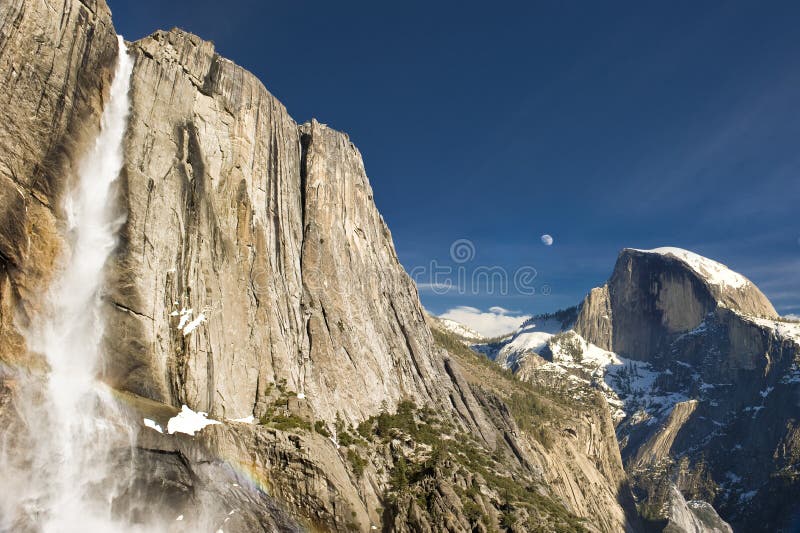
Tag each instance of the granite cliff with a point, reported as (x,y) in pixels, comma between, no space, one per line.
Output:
(267,228)
(254,280)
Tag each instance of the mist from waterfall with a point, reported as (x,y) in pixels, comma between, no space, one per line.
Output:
(68,483)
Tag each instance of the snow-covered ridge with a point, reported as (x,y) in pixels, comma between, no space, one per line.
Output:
(630,387)
(460,329)
(713,272)
(784,330)
(533,336)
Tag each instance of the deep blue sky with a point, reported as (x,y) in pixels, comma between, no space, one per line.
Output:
(637,124)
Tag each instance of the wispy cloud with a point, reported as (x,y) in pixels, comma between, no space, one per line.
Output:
(492,323)
(778,268)
(719,142)
(780,282)
(437,288)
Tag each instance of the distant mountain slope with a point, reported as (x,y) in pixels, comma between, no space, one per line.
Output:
(702,375)
(566,443)
(458,329)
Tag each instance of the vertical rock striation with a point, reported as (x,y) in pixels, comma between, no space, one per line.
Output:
(269,230)
(367,339)
(654,296)
(212,196)
(595,318)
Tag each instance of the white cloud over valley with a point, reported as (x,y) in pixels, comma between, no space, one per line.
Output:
(492,323)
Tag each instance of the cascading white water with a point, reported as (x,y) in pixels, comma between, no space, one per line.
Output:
(67,486)
(70,337)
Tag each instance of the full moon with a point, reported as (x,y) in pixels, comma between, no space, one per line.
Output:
(547,240)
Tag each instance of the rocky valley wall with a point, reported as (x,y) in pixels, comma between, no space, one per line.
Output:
(54,77)
(269,230)
(253,269)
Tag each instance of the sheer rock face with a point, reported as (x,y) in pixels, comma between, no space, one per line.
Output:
(595,318)
(653,298)
(55,65)
(692,516)
(213,205)
(270,231)
(367,339)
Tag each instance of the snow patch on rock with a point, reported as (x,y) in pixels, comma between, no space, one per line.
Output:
(185,316)
(152,425)
(713,272)
(789,331)
(189,422)
(191,326)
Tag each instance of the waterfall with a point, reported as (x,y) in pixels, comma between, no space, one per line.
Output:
(71,336)
(68,483)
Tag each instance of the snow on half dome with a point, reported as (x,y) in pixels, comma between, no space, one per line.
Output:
(713,272)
